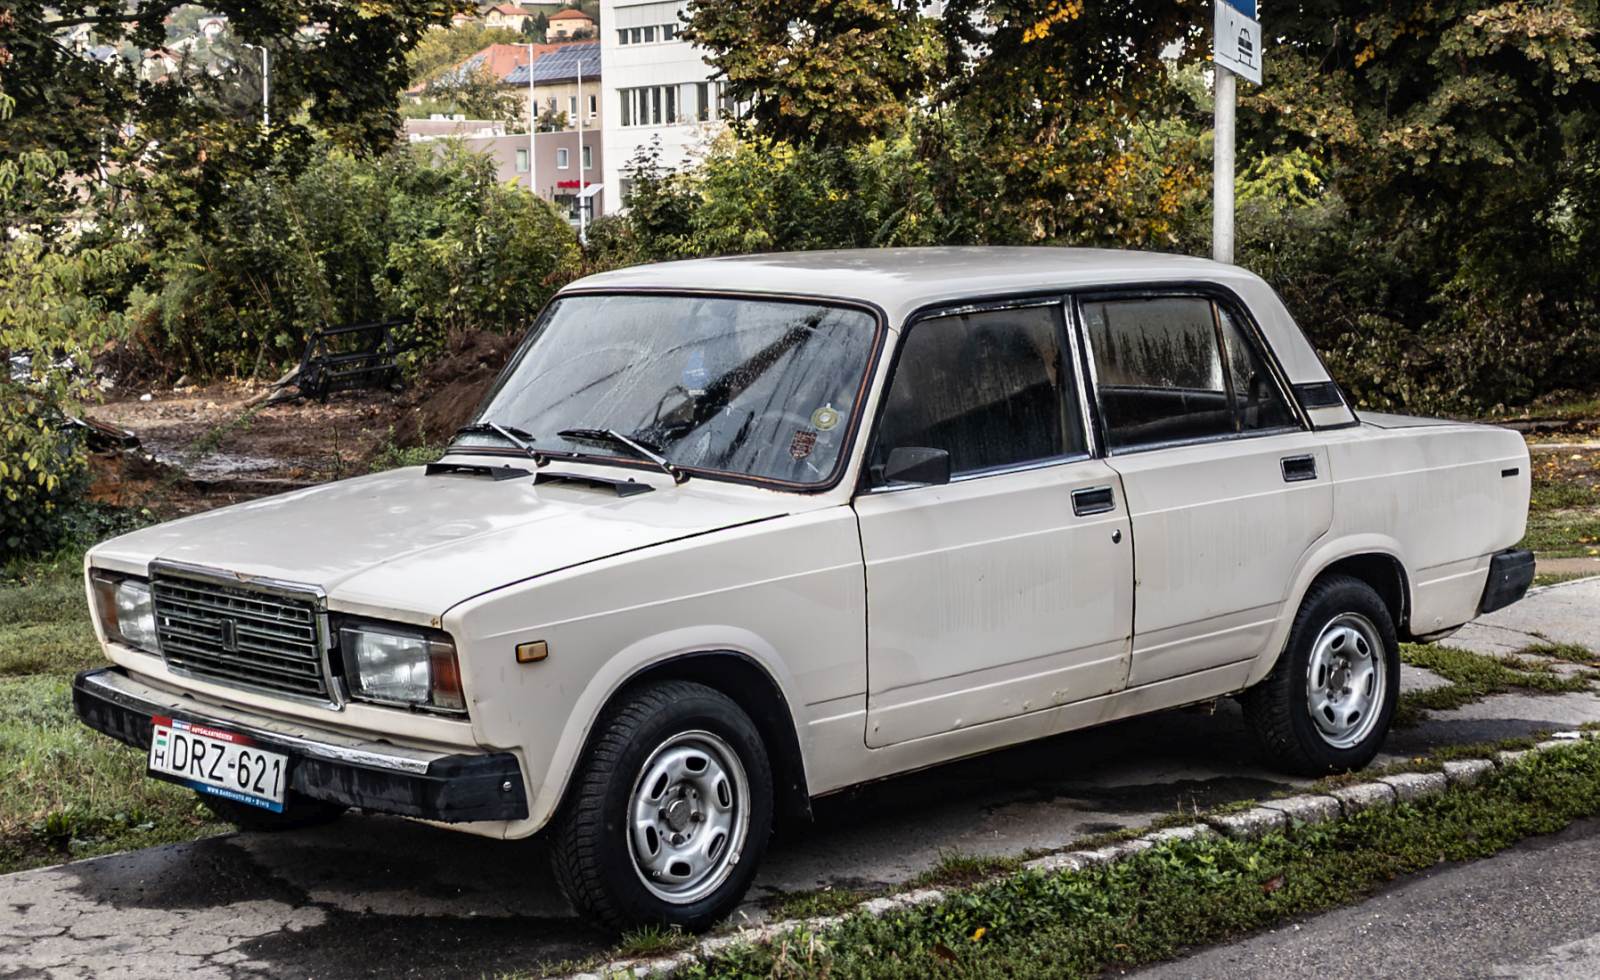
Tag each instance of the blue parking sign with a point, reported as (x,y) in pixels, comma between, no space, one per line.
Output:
(1246,7)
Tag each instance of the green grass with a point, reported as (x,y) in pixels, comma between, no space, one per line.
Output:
(1563,533)
(648,941)
(1475,676)
(65,791)
(1556,578)
(1156,903)
(958,868)
(812,904)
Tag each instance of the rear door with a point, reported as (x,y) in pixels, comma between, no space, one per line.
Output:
(1008,590)
(1226,487)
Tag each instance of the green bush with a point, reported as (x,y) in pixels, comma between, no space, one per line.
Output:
(53,311)
(407,234)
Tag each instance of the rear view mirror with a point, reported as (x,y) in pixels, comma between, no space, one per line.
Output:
(917,464)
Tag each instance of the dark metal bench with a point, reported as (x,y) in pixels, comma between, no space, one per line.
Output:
(357,355)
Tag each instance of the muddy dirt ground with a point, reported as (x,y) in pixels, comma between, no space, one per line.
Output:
(204,446)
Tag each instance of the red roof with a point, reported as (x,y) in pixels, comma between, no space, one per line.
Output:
(501,58)
(570,14)
(509,9)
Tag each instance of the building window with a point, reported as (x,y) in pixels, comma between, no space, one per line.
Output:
(562,158)
(588,157)
(650,34)
(655,105)
(702,95)
(622,36)
(669,32)
(572,107)
(522,161)
(594,106)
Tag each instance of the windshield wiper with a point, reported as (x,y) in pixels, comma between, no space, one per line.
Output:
(510,433)
(614,438)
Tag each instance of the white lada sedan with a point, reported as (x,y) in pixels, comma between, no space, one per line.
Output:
(731,534)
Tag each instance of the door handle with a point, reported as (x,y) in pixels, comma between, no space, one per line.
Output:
(1093,500)
(1298,468)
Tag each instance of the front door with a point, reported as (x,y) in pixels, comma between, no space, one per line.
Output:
(1225,487)
(1010,589)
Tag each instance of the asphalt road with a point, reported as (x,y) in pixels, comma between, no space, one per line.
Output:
(1530,912)
(375,896)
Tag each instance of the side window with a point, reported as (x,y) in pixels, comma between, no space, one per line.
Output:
(992,388)
(1177,368)
(1257,400)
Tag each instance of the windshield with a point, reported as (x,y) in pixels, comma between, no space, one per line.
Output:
(755,388)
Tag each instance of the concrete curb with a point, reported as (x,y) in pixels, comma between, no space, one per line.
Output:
(1266,817)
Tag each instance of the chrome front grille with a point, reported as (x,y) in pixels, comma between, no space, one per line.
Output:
(265,641)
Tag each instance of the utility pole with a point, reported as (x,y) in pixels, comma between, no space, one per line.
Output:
(583,183)
(1236,44)
(1224,93)
(533,130)
(266,98)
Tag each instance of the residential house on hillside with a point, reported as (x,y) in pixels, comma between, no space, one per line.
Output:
(570,23)
(658,89)
(508,16)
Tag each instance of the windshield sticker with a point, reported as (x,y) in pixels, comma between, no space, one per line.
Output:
(825,418)
(801,445)
(695,375)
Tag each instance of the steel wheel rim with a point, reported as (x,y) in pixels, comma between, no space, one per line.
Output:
(1347,678)
(688,817)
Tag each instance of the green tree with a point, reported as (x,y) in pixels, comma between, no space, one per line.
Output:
(444,47)
(337,67)
(819,71)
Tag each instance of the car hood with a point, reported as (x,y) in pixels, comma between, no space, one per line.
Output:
(404,542)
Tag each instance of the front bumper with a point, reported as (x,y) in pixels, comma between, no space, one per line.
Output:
(1510,574)
(376,776)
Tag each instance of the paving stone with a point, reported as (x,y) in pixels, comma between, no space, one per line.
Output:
(1191,831)
(1308,808)
(1410,786)
(1507,758)
(1550,744)
(1253,823)
(1466,772)
(1363,796)
(1052,863)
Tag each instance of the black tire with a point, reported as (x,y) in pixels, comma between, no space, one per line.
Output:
(593,850)
(1277,710)
(298,812)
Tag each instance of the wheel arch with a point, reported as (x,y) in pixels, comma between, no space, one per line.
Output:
(1375,560)
(734,673)
(757,693)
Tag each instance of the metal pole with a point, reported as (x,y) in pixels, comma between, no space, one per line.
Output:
(1224,92)
(266,89)
(583,202)
(533,129)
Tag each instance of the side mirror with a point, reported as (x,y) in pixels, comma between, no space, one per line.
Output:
(917,464)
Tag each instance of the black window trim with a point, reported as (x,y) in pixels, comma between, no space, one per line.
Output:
(1055,299)
(1219,296)
(880,331)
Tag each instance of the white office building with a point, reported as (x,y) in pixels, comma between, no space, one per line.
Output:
(656,87)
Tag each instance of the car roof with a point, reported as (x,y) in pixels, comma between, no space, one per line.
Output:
(901,280)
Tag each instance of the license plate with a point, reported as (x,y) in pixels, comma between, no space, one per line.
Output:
(218,762)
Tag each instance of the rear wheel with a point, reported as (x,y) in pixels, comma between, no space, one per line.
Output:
(670,812)
(298,812)
(1327,705)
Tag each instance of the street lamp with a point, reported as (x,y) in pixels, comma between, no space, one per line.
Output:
(266,115)
(533,129)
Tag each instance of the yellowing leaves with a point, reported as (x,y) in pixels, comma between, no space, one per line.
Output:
(1058,12)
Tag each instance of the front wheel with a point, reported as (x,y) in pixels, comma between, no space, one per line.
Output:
(1327,705)
(669,813)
